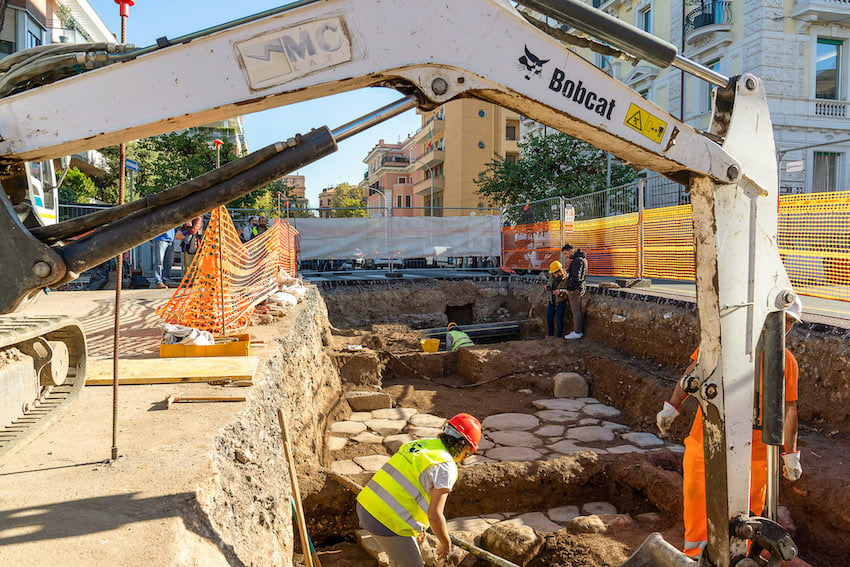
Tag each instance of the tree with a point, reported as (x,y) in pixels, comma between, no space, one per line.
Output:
(77,187)
(347,201)
(556,165)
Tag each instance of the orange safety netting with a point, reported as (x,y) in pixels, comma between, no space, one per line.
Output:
(813,238)
(228,278)
(533,246)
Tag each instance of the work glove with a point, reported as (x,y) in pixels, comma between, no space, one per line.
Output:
(665,417)
(792,470)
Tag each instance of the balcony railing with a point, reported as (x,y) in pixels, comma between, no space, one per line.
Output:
(800,109)
(831,108)
(395,161)
(708,14)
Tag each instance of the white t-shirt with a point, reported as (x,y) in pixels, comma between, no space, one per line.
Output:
(441,475)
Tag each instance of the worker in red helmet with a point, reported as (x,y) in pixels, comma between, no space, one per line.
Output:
(408,494)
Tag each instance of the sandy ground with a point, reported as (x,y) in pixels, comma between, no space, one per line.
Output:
(62,502)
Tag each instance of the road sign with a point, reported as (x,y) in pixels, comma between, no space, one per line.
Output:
(793,166)
(132,165)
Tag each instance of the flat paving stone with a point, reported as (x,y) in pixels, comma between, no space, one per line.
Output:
(678,449)
(622,449)
(393,442)
(589,421)
(426,420)
(423,432)
(336,443)
(347,428)
(386,426)
(371,463)
(360,416)
(598,508)
(516,439)
(643,439)
(394,413)
(590,433)
(537,521)
(557,416)
(563,514)
(346,467)
(588,400)
(600,410)
(511,422)
(513,454)
(565,448)
(558,404)
(368,437)
(613,425)
(550,430)
(472,525)
(478,460)
(485,444)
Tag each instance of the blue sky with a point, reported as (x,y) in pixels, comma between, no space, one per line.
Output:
(150,19)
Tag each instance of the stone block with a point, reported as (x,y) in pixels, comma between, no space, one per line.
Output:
(393,442)
(368,401)
(373,548)
(368,437)
(587,525)
(336,443)
(360,416)
(346,467)
(426,420)
(537,521)
(569,385)
(347,428)
(394,413)
(386,426)
(559,404)
(371,463)
(511,421)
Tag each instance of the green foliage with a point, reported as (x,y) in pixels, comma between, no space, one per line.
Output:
(549,166)
(347,201)
(77,187)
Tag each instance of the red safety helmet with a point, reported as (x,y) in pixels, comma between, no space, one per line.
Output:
(469,427)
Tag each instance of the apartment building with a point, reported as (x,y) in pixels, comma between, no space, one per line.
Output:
(326,199)
(387,181)
(453,146)
(298,187)
(798,47)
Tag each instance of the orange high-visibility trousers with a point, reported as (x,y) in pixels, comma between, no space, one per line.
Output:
(693,485)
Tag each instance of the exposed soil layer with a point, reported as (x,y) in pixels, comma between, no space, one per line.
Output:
(635,348)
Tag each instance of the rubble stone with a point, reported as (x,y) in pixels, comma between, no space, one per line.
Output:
(615,523)
(569,385)
(587,525)
(651,520)
(511,421)
(368,401)
(515,542)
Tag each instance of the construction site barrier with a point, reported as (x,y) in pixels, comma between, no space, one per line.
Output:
(228,278)
(813,238)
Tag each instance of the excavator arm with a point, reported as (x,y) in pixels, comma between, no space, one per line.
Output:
(435,51)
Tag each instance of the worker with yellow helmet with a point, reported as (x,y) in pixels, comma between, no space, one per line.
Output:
(556,291)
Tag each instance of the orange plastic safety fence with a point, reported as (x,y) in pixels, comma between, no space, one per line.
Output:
(228,278)
(611,244)
(533,246)
(814,242)
(667,243)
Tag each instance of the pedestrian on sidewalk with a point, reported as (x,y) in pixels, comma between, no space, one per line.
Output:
(693,462)
(163,253)
(192,233)
(408,494)
(575,287)
(555,308)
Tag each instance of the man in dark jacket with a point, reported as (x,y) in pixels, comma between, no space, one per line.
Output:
(575,287)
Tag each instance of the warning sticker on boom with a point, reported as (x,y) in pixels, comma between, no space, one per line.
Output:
(641,121)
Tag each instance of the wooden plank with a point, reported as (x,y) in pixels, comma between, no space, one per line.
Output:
(173,370)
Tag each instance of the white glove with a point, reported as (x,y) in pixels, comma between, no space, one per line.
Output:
(792,469)
(665,417)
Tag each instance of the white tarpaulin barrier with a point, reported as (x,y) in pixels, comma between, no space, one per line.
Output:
(406,237)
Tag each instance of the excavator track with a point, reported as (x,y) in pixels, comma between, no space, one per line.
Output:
(19,332)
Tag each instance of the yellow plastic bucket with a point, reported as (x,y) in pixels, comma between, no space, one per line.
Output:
(430,345)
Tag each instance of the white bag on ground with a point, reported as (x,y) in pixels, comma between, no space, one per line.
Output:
(283,298)
(182,335)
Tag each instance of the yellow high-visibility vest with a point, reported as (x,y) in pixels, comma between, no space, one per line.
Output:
(460,340)
(395,497)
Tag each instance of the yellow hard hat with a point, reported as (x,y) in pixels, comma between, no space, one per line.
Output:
(555,267)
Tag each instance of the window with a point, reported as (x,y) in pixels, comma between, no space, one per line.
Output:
(825,171)
(644,16)
(510,132)
(714,65)
(826,68)
(402,180)
(511,157)
(407,202)
(398,200)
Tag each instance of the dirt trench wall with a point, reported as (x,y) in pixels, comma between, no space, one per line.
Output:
(248,500)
